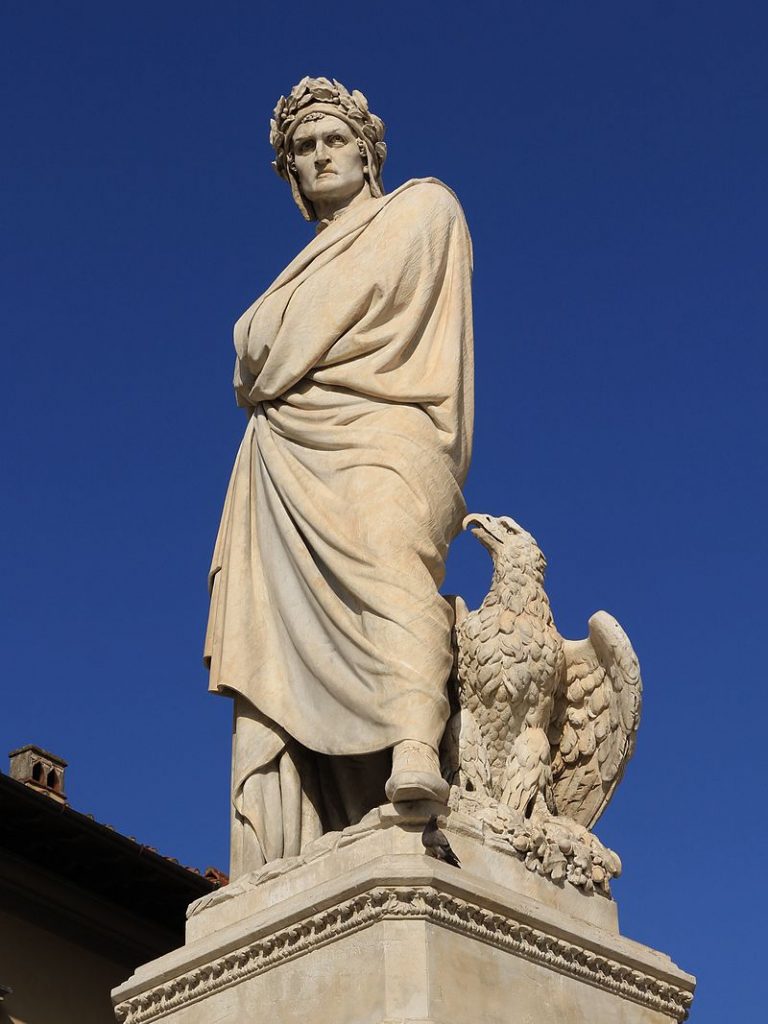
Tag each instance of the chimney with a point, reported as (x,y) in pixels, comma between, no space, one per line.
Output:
(39,770)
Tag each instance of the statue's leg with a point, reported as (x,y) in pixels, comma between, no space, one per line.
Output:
(258,811)
(290,796)
(359,782)
(257,819)
(275,800)
(311,819)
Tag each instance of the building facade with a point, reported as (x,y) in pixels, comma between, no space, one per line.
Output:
(81,906)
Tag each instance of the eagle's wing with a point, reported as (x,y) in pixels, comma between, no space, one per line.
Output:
(594,720)
(463,757)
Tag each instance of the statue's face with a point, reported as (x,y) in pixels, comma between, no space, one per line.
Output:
(328,163)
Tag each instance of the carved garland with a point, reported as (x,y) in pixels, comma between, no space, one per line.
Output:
(391,902)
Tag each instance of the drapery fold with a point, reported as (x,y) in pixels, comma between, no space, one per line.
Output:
(356,365)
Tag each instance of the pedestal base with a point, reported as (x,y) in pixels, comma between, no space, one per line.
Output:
(372,931)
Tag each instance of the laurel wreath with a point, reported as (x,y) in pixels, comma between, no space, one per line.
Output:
(352,105)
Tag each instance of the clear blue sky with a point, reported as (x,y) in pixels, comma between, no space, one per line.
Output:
(612,162)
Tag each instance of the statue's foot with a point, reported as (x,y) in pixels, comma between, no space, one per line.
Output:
(416,774)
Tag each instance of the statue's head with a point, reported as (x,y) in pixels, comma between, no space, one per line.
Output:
(327,144)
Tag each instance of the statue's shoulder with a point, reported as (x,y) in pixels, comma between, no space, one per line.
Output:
(427,197)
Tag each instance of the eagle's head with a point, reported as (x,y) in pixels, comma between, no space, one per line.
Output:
(508,544)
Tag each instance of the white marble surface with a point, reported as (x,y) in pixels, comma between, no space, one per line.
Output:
(378,932)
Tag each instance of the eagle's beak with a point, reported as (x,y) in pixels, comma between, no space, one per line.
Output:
(477,520)
(481,526)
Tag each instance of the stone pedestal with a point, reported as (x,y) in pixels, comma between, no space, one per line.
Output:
(366,929)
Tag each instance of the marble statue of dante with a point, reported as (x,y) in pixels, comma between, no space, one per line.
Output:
(355,369)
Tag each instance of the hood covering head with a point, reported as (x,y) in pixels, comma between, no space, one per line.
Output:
(320,96)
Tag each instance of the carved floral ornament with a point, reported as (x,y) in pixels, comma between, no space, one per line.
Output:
(317,96)
(396,902)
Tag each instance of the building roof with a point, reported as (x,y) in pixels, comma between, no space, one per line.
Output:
(72,849)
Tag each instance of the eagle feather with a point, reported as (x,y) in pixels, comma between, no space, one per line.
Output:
(543,721)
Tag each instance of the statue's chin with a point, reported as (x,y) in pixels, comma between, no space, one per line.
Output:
(334,192)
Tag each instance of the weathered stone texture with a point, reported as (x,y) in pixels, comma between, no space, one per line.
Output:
(374,932)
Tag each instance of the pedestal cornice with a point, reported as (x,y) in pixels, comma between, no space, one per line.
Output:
(405,888)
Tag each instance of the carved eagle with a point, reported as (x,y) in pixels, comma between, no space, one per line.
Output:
(544,723)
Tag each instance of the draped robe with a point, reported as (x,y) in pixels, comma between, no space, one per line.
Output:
(356,366)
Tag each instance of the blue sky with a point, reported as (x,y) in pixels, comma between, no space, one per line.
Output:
(611,160)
